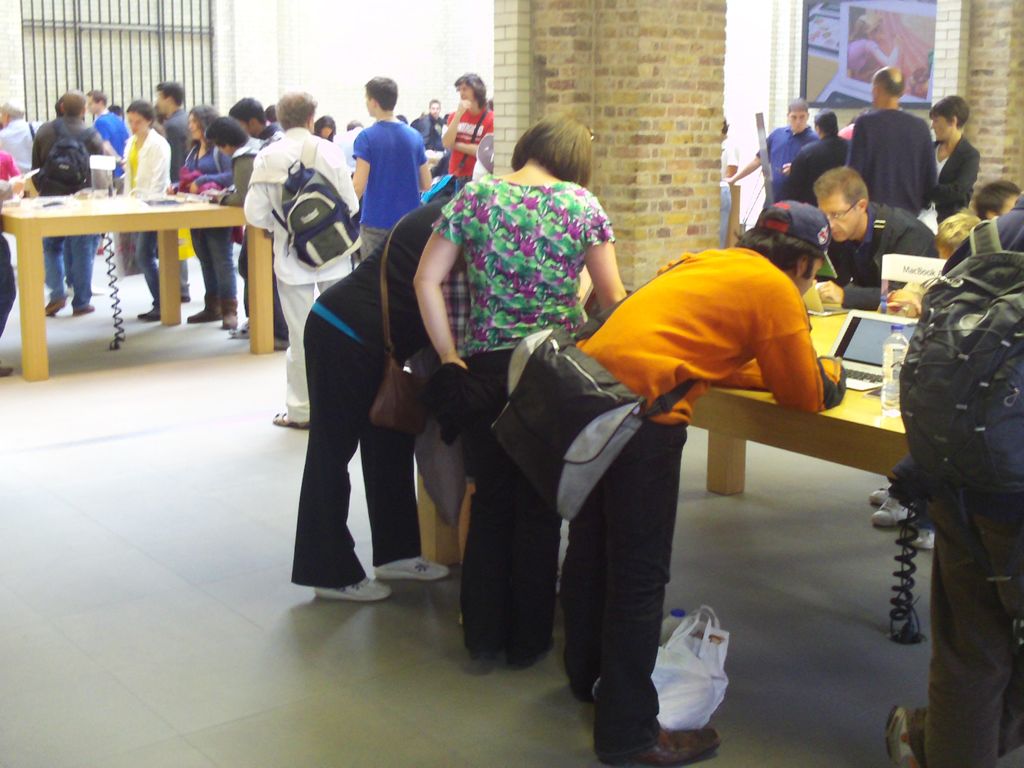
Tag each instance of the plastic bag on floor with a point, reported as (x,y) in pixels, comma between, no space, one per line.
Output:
(689,673)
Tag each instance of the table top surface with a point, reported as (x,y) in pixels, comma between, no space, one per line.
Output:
(857,407)
(121,210)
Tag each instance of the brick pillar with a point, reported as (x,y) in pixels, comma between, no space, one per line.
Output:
(647,76)
(996,87)
(513,77)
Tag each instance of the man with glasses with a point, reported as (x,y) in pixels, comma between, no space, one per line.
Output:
(862,232)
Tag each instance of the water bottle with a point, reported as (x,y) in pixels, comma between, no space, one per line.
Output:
(668,626)
(893,351)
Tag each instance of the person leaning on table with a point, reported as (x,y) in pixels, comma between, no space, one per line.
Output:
(733,317)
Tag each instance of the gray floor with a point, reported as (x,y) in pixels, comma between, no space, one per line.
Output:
(147,620)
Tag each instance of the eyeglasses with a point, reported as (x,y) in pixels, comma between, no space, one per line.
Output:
(838,216)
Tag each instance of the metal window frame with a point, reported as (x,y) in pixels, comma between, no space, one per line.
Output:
(120,47)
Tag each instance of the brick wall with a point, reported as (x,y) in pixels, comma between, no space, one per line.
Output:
(996,87)
(648,78)
(513,77)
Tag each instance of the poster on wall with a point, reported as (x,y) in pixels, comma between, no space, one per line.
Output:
(847,41)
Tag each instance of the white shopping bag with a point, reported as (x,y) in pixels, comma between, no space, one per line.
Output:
(689,673)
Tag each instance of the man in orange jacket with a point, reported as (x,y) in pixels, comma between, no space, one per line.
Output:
(732,317)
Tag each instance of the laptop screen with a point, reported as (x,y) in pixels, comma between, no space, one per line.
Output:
(864,337)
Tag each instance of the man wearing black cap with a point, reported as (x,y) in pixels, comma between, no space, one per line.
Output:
(731,317)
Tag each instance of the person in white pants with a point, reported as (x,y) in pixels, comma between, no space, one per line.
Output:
(298,283)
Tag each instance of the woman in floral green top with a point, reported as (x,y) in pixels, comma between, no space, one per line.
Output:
(525,239)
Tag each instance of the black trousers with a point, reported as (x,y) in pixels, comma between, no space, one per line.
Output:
(343,378)
(511,561)
(280,326)
(613,588)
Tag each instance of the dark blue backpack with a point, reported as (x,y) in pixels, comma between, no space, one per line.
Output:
(962,382)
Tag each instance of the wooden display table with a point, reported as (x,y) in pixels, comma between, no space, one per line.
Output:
(30,224)
(853,433)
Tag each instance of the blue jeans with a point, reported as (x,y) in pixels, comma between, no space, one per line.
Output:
(213,249)
(8,288)
(146,258)
(81,250)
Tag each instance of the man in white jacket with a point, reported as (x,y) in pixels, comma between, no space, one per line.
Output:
(298,282)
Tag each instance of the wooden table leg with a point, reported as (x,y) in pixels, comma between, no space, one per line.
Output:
(35,364)
(170,277)
(438,540)
(727,464)
(261,290)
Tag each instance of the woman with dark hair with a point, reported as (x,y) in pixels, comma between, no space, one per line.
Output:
(956,158)
(525,239)
(147,168)
(207,168)
(325,128)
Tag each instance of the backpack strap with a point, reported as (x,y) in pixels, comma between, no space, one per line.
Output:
(472,140)
(985,238)
(309,150)
(666,402)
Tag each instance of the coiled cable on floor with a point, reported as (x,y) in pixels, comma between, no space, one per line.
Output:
(107,243)
(904,625)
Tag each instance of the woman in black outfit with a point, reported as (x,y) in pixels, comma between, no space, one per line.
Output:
(344,364)
(957,159)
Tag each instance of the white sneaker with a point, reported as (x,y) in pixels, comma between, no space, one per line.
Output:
(925,539)
(889,515)
(878,498)
(366,591)
(415,568)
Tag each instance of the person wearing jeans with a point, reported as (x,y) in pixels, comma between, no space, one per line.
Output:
(147,161)
(81,253)
(702,320)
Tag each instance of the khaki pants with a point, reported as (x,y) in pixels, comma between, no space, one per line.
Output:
(976,682)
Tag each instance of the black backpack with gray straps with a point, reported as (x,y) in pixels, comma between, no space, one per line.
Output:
(962,383)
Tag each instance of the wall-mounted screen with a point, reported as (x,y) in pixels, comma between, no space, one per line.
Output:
(847,41)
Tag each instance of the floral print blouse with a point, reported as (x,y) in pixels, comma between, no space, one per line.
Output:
(524,248)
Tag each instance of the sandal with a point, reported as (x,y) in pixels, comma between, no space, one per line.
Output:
(282,420)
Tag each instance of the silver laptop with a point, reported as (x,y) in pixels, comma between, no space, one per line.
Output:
(859,344)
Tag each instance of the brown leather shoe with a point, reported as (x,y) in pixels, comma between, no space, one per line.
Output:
(56,306)
(674,748)
(85,309)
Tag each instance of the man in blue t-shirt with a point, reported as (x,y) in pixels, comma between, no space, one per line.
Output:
(391,165)
(784,144)
(110,127)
